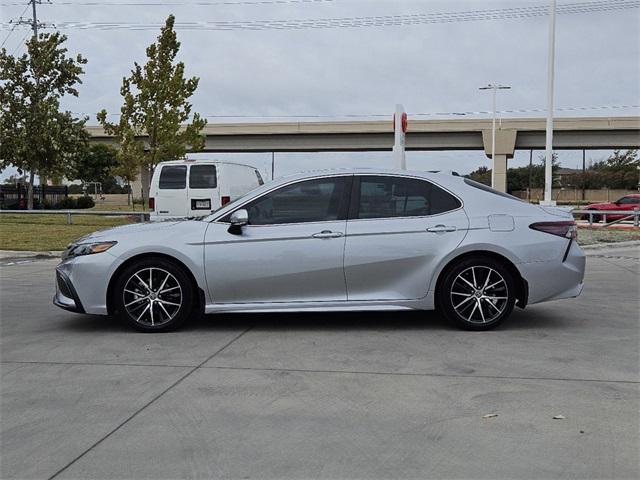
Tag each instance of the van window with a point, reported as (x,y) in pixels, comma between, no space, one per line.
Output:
(173,177)
(202,176)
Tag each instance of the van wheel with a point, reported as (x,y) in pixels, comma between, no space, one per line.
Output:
(478,293)
(153,295)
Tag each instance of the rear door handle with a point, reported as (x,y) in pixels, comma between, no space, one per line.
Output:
(441,229)
(327,234)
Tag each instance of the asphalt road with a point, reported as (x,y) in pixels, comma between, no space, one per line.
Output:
(384,395)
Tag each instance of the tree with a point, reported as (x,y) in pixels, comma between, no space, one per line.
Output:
(156,105)
(97,164)
(35,136)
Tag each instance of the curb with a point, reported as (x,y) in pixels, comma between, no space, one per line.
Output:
(611,245)
(6,254)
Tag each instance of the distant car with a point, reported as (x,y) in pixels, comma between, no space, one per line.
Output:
(339,240)
(628,202)
(192,188)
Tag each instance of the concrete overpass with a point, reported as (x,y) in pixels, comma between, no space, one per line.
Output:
(458,134)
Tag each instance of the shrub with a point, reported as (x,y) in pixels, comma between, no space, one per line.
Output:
(85,202)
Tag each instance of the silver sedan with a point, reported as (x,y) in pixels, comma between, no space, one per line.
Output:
(338,240)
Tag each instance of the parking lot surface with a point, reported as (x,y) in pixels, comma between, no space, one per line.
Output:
(358,395)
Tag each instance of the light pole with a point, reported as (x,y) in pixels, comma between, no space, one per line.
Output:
(495,88)
(548,163)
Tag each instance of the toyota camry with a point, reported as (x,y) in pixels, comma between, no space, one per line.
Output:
(332,240)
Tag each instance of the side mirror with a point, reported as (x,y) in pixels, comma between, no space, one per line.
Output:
(238,219)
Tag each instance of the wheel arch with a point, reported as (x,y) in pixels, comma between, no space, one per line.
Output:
(199,297)
(522,286)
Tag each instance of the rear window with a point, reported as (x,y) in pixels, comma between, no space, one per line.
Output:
(486,188)
(173,177)
(202,176)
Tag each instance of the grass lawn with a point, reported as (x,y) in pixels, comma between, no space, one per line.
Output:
(592,236)
(43,232)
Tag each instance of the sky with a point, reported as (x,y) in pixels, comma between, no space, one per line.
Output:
(433,68)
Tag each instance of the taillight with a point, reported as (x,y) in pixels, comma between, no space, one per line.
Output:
(567,229)
(224,200)
(152,204)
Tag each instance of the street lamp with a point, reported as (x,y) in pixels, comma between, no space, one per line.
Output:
(495,88)
(548,164)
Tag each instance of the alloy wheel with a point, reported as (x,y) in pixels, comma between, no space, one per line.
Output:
(152,297)
(479,294)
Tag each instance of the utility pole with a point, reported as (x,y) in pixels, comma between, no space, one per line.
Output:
(548,163)
(495,88)
(583,173)
(530,173)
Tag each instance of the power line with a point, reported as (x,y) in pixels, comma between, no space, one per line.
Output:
(20,44)
(15,24)
(173,4)
(373,21)
(424,114)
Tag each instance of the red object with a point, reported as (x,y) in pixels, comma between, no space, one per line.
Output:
(567,229)
(405,122)
(152,204)
(224,200)
(628,202)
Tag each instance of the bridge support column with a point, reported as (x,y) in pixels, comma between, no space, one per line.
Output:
(504,148)
(499,173)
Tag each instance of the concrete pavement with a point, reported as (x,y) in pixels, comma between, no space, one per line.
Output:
(366,395)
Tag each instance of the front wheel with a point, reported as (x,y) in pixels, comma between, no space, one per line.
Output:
(153,295)
(478,293)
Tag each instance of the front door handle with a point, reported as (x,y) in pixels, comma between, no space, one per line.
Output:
(327,234)
(441,229)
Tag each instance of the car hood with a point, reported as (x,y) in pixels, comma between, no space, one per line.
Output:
(137,229)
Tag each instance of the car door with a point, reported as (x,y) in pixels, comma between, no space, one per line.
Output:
(398,230)
(291,251)
(203,189)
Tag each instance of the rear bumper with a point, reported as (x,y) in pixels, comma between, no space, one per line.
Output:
(66,296)
(557,278)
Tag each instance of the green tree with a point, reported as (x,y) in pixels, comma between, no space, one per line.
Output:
(97,164)
(35,135)
(156,104)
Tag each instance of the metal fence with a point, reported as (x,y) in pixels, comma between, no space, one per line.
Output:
(142,216)
(15,196)
(619,216)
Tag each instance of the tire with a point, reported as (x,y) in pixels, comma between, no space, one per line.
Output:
(151,309)
(480,308)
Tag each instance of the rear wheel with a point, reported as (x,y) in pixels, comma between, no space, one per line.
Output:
(478,293)
(154,295)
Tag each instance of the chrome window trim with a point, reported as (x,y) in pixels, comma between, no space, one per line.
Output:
(336,175)
(413,216)
(277,187)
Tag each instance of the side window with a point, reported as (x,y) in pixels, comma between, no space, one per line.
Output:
(442,201)
(173,177)
(629,200)
(202,176)
(386,197)
(307,201)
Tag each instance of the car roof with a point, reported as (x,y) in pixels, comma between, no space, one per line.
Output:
(202,161)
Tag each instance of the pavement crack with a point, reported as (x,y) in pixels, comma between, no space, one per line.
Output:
(417,374)
(149,403)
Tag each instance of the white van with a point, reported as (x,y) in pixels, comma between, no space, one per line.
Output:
(185,188)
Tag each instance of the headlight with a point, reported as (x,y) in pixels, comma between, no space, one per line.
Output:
(75,250)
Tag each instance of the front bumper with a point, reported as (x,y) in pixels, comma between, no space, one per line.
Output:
(66,296)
